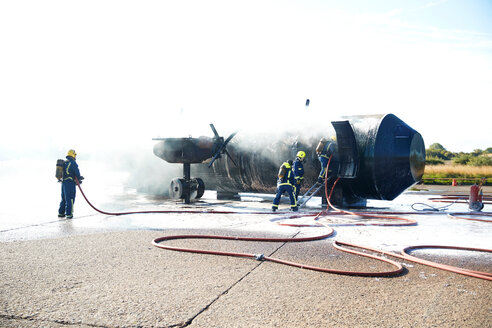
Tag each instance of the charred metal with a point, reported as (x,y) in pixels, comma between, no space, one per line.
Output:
(377,157)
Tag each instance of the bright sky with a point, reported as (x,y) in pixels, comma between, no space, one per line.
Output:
(93,75)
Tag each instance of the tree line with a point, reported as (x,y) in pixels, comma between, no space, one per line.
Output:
(436,154)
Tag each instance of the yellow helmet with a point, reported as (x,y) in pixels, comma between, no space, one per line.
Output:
(72,153)
(301,154)
(334,138)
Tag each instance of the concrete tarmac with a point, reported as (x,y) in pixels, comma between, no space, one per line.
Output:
(120,280)
(85,277)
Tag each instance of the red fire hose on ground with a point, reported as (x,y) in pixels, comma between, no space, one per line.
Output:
(156,242)
(337,244)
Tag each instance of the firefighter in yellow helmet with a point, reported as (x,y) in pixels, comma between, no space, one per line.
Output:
(298,172)
(325,150)
(70,173)
(285,184)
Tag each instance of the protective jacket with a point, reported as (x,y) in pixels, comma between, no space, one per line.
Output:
(327,150)
(324,153)
(285,175)
(285,184)
(298,171)
(298,175)
(71,169)
(70,172)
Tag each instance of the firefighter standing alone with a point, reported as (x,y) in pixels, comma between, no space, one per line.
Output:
(285,184)
(70,173)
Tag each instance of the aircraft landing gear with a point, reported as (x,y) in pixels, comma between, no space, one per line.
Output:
(187,188)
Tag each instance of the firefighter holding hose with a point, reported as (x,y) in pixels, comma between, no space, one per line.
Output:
(67,178)
(285,184)
(325,150)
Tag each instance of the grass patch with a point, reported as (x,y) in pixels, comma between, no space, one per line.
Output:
(464,174)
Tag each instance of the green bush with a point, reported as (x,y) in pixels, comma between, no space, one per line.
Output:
(432,160)
(462,159)
(476,152)
(480,161)
(436,146)
(436,153)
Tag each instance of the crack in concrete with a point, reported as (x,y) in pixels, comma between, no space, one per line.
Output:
(185,324)
(61,322)
(190,321)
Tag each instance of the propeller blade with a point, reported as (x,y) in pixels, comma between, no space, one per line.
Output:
(217,155)
(215,131)
(221,149)
(229,139)
(223,145)
(230,157)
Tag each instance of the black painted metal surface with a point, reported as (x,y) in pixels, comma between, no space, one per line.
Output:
(184,150)
(391,159)
(348,152)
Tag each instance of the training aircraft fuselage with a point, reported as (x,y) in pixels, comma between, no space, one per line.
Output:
(376,157)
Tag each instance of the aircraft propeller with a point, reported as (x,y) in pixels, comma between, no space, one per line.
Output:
(221,149)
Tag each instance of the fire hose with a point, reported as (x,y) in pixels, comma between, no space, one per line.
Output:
(156,242)
(337,244)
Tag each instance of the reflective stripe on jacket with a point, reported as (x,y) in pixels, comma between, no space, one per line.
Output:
(298,171)
(327,150)
(71,169)
(285,176)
